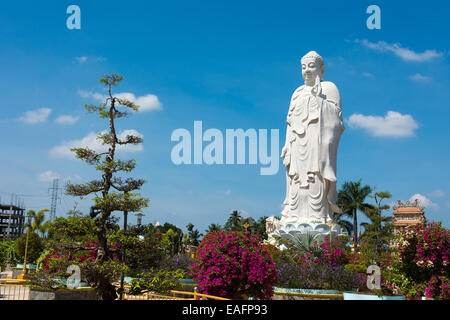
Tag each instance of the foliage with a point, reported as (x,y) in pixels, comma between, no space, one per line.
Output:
(233,264)
(335,252)
(159,281)
(38,221)
(358,268)
(112,192)
(8,253)
(171,242)
(73,228)
(260,227)
(316,275)
(306,244)
(35,246)
(193,235)
(176,262)
(141,253)
(378,234)
(234,222)
(312,265)
(214,227)
(351,198)
(55,264)
(421,265)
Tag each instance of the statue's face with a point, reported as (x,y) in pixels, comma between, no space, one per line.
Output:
(310,70)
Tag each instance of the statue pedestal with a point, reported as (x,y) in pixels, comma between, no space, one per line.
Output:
(318,229)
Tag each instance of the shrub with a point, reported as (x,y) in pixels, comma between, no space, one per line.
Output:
(421,265)
(35,246)
(160,281)
(233,264)
(359,268)
(318,275)
(8,253)
(335,252)
(319,266)
(181,261)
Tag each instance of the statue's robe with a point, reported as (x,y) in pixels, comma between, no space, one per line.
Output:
(314,128)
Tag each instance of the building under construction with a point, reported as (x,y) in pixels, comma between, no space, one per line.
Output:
(12,220)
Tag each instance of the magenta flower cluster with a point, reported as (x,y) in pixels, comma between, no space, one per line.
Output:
(424,254)
(234,264)
(334,252)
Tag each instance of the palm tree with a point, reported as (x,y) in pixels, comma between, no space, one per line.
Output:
(214,227)
(338,218)
(193,235)
(234,221)
(38,221)
(261,226)
(351,198)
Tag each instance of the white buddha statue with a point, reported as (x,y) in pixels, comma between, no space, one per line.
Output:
(314,127)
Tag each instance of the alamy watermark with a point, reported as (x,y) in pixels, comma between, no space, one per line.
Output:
(374,20)
(73,281)
(373,277)
(74,20)
(229,149)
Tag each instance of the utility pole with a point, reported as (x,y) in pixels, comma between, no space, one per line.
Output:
(55,191)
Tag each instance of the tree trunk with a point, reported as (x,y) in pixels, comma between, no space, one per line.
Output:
(355,226)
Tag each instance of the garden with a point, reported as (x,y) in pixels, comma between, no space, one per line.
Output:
(234,264)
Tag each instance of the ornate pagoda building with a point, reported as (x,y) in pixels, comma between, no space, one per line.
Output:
(406,214)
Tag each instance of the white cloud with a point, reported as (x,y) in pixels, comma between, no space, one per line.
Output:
(420,78)
(146,102)
(424,201)
(393,124)
(93,95)
(91,141)
(36,116)
(67,119)
(48,176)
(228,192)
(75,177)
(81,59)
(244,213)
(368,75)
(404,53)
(436,193)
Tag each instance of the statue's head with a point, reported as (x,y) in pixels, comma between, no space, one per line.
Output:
(312,66)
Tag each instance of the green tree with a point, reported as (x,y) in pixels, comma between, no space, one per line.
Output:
(193,235)
(234,221)
(214,227)
(34,249)
(351,198)
(339,219)
(378,233)
(38,221)
(8,253)
(73,228)
(117,193)
(260,227)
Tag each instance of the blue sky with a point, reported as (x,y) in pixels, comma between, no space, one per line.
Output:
(230,64)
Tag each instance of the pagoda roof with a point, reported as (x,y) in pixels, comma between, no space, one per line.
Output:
(408,210)
(406,222)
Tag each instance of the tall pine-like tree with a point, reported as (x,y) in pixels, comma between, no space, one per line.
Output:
(113,191)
